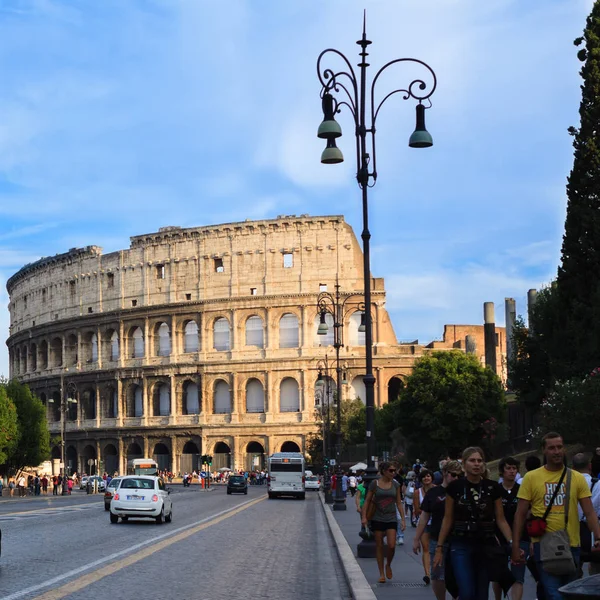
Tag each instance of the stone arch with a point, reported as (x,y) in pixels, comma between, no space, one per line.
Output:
(32,366)
(42,362)
(88,403)
(89,347)
(89,453)
(289,395)
(290,446)
(255,396)
(221,456)
(134,401)
(355,322)
(222,398)
(136,342)
(55,453)
(190,457)
(162,339)
(255,456)
(221,335)
(110,458)
(358,390)
(71,459)
(71,357)
(23,360)
(55,404)
(109,401)
(394,387)
(191,340)
(255,332)
(110,345)
(289,331)
(190,393)
(56,352)
(161,399)
(325,389)
(162,455)
(134,450)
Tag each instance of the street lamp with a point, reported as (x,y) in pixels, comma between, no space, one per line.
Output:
(339,308)
(65,401)
(323,383)
(353,93)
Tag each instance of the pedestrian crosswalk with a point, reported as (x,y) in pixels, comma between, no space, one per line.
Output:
(45,512)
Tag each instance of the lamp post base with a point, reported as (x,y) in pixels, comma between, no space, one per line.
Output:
(339,504)
(328,497)
(366,549)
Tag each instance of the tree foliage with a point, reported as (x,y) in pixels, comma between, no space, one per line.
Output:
(450,401)
(34,438)
(9,428)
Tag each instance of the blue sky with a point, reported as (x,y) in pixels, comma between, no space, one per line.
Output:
(117,118)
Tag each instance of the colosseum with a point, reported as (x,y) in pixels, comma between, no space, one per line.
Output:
(196,341)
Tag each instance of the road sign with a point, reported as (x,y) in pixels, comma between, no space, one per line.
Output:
(91,461)
(332,462)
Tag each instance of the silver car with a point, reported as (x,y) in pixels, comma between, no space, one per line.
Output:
(141,496)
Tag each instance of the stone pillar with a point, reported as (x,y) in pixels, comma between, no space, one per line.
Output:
(123,349)
(489,331)
(79,349)
(306,329)
(145,411)
(174,454)
(99,346)
(146,447)
(122,457)
(510,307)
(120,402)
(98,405)
(235,397)
(531,300)
(173,392)
(146,339)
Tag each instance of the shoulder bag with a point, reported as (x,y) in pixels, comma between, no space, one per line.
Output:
(372,506)
(555,547)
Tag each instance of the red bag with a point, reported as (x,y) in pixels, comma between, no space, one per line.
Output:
(535,526)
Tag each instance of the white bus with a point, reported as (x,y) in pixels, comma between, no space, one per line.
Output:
(286,475)
(142,466)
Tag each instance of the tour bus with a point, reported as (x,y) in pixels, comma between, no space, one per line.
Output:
(142,466)
(286,475)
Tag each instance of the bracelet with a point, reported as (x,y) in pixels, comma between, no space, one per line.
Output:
(440,548)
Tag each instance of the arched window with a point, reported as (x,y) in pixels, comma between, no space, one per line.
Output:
(138,402)
(138,343)
(255,332)
(355,337)
(289,335)
(289,395)
(255,397)
(164,340)
(115,403)
(94,342)
(221,339)
(191,398)
(190,339)
(222,398)
(161,401)
(327,339)
(114,346)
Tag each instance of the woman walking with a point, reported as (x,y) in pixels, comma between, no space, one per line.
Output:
(384,494)
(472,513)
(426,479)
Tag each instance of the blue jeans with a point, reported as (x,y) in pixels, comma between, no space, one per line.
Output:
(469,570)
(551,583)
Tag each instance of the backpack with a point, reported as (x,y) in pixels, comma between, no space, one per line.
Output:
(410,490)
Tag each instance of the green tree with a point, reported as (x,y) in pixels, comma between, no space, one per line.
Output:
(9,428)
(34,438)
(450,402)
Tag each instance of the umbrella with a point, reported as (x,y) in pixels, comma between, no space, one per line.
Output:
(359,466)
(222,469)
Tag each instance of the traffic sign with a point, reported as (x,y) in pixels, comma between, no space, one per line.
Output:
(332,462)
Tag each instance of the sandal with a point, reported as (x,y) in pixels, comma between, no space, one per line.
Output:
(388,571)
(382,579)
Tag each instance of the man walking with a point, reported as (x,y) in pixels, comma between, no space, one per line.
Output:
(537,493)
(21,486)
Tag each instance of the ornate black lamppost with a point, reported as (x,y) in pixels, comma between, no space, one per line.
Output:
(338,308)
(353,93)
(324,384)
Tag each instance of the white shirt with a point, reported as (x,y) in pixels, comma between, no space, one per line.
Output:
(595,496)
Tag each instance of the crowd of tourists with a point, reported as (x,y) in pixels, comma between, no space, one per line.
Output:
(477,534)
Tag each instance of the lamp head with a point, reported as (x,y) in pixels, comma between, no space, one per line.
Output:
(332,155)
(329,127)
(345,378)
(362,327)
(420,138)
(320,383)
(323,327)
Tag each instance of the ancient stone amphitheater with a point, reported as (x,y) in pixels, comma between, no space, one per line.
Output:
(195,341)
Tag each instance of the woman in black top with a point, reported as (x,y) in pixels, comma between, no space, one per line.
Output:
(473,511)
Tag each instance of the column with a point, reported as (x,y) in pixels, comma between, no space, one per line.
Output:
(175,340)
(144,401)
(78,349)
(235,398)
(146,447)
(173,398)
(122,457)
(305,340)
(99,468)
(99,342)
(120,403)
(174,455)
(122,344)
(146,340)
(98,405)
(268,397)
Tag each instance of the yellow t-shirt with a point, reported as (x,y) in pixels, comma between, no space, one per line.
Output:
(538,487)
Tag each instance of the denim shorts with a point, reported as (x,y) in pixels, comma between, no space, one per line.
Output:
(518,571)
(437,574)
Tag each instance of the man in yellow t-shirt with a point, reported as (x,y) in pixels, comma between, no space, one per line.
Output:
(535,494)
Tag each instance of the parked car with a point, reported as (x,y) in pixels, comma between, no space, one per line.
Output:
(312,483)
(141,496)
(83,482)
(237,483)
(98,481)
(110,490)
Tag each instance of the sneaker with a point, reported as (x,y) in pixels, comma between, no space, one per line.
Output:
(400,541)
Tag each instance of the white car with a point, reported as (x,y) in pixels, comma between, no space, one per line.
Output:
(83,482)
(141,496)
(97,481)
(312,483)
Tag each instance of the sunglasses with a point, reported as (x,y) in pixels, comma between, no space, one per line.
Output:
(455,474)
(391,470)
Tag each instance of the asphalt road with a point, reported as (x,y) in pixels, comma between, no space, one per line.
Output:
(217,547)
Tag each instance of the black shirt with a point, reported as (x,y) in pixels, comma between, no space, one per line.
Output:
(509,504)
(434,503)
(474,501)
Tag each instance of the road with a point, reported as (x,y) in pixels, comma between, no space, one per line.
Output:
(217,546)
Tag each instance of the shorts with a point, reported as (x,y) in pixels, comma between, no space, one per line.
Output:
(384,525)
(518,571)
(437,574)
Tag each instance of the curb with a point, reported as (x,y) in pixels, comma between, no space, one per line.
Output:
(357,582)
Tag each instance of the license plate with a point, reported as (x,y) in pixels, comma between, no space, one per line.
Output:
(135,497)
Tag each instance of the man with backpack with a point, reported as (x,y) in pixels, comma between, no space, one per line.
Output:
(582,463)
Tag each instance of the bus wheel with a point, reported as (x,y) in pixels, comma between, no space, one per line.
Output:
(271,496)
(302,496)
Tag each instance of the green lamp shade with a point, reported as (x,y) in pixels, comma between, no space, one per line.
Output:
(332,155)
(329,128)
(421,138)
(323,328)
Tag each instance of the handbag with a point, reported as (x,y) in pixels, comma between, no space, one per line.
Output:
(536,526)
(555,547)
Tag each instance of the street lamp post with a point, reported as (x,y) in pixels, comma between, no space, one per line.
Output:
(64,407)
(324,367)
(338,308)
(353,93)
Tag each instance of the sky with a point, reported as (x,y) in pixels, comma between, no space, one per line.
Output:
(117,118)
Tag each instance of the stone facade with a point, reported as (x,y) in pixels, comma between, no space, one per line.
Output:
(195,341)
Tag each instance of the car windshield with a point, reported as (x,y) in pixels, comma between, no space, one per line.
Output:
(140,484)
(114,483)
(236,479)
(311,478)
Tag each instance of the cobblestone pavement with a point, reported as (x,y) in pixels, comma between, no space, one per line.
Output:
(66,548)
